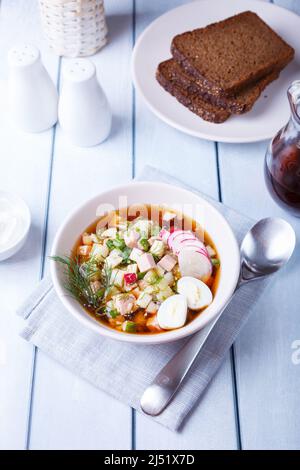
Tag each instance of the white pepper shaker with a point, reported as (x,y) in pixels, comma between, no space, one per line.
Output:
(84,113)
(32,95)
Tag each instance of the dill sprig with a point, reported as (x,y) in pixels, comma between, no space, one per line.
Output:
(78,281)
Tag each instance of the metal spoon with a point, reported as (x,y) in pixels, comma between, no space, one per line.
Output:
(266,248)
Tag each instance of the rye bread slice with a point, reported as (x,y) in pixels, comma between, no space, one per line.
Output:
(238,103)
(193,101)
(230,54)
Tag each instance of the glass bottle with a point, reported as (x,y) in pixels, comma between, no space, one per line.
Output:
(282,162)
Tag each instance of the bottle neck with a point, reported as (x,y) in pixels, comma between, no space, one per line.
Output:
(294,99)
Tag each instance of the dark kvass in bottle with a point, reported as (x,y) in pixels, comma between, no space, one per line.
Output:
(282,163)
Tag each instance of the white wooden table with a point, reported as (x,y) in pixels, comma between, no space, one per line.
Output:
(254,401)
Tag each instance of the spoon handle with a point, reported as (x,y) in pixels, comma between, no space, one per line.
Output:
(161,391)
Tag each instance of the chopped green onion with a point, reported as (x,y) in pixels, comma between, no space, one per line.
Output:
(154,278)
(110,244)
(113,313)
(125,255)
(141,276)
(144,244)
(157,280)
(215,261)
(119,242)
(100,293)
(129,326)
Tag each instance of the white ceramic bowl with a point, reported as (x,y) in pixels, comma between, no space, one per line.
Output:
(152,193)
(22,212)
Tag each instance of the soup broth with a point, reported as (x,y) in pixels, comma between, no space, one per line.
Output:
(135,296)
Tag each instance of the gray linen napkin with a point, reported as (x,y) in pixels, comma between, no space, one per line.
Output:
(52,329)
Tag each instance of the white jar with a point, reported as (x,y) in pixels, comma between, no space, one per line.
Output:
(32,95)
(84,113)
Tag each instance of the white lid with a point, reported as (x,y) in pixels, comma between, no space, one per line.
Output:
(79,70)
(23,55)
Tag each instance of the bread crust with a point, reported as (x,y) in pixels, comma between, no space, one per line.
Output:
(231,54)
(194,103)
(238,103)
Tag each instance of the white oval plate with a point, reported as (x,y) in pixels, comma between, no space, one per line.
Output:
(270,112)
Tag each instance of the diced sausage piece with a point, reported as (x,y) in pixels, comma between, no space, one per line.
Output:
(167,263)
(131,238)
(124,303)
(146,262)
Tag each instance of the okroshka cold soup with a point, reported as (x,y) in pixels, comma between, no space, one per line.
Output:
(146,248)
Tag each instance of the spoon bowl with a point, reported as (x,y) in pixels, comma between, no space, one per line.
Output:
(268,246)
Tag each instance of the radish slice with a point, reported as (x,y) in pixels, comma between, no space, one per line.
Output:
(177,237)
(197,293)
(196,244)
(179,241)
(194,263)
(173,312)
(175,234)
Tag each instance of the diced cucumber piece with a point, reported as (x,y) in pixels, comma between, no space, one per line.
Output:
(129,326)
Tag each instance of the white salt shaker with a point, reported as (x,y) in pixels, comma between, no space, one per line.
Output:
(32,95)
(84,113)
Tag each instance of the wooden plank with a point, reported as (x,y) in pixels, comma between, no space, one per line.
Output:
(25,165)
(268,381)
(212,425)
(71,413)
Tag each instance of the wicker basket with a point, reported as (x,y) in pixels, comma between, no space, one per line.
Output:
(74,28)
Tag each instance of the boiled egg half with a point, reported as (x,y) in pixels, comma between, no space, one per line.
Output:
(197,294)
(173,312)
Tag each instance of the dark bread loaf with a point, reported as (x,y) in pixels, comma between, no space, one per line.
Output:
(192,101)
(238,103)
(233,53)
